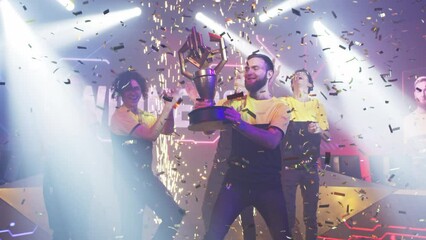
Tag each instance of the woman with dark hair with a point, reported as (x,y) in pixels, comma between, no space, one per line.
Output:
(133,132)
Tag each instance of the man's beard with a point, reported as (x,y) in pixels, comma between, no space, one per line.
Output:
(257,85)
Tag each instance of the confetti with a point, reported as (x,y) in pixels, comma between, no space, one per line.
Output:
(252,114)
(296,12)
(121,46)
(327,158)
(235,96)
(106,11)
(338,194)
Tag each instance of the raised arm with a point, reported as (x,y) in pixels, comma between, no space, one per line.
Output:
(164,123)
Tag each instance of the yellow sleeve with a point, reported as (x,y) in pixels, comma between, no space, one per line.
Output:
(122,123)
(281,116)
(148,119)
(221,102)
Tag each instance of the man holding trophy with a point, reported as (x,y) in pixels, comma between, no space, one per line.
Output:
(257,122)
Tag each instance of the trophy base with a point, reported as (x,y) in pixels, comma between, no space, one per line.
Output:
(208,119)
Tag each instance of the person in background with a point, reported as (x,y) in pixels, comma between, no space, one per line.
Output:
(257,122)
(301,151)
(133,132)
(414,135)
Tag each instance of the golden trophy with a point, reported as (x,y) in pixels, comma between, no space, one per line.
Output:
(205,80)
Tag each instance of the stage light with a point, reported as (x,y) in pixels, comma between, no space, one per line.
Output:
(282,8)
(68,4)
(82,28)
(133,12)
(239,43)
(48,116)
(358,90)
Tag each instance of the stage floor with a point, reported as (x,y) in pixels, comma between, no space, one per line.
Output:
(349,208)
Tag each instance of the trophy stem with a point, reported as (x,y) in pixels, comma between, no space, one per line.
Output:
(205,82)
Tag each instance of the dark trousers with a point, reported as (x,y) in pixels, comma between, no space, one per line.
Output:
(308,181)
(213,187)
(148,191)
(234,197)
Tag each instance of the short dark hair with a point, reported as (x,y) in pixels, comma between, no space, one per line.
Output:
(122,81)
(266,59)
(419,80)
(311,81)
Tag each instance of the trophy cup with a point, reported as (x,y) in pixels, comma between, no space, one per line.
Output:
(205,80)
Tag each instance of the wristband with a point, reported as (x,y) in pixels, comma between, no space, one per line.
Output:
(167,99)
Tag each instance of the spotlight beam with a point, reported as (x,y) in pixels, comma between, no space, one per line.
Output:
(282,8)
(241,44)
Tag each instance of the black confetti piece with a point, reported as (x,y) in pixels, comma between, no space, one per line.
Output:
(118,47)
(295,11)
(249,112)
(339,194)
(327,158)
(106,11)
(235,95)
(155,48)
